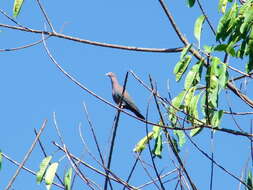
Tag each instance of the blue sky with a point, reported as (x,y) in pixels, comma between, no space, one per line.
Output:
(32,88)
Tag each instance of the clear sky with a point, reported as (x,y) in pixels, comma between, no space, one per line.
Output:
(32,87)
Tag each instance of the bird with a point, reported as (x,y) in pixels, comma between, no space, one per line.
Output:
(127,101)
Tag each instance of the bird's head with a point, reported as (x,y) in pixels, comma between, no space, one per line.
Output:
(110,74)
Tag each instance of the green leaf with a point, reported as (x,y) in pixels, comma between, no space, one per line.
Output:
(222,5)
(208,49)
(141,145)
(17,6)
(198,27)
(193,76)
(223,75)
(157,151)
(190,3)
(192,110)
(249,181)
(50,174)
(217,118)
(177,101)
(156,130)
(43,166)
(249,65)
(1,159)
(196,131)
(189,95)
(181,67)
(174,141)
(180,136)
(176,104)
(185,51)
(221,47)
(227,23)
(67,179)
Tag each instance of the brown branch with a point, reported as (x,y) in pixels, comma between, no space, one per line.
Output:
(95,43)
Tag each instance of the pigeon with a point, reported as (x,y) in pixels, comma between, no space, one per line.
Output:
(127,101)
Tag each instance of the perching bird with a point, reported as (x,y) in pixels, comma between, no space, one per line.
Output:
(127,101)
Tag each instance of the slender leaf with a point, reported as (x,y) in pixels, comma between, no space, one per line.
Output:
(156,130)
(181,67)
(221,47)
(217,118)
(198,27)
(185,51)
(196,131)
(189,95)
(175,144)
(193,76)
(223,75)
(17,7)
(180,136)
(249,181)
(67,179)
(43,166)
(157,151)
(176,103)
(222,5)
(191,3)
(141,145)
(50,174)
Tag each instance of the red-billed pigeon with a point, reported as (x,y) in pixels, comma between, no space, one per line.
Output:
(127,101)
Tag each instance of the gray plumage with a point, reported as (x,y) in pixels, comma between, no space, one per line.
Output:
(127,101)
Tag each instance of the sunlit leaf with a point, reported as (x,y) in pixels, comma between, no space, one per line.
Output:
(185,51)
(198,27)
(156,130)
(195,131)
(193,76)
(217,118)
(208,49)
(67,179)
(176,103)
(226,23)
(222,5)
(180,136)
(50,174)
(43,166)
(189,96)
(223,75)
(157,151)
(17,7)
(141,145)
(181,67)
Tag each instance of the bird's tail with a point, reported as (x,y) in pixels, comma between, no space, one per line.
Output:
(136,112)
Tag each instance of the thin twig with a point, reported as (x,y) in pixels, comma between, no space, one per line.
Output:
(26,156)
(216,163)
(45,155)
(151,155)
(114,178)
(115,127)
(170,140)
(45,15)
(27,169)
(95,43)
